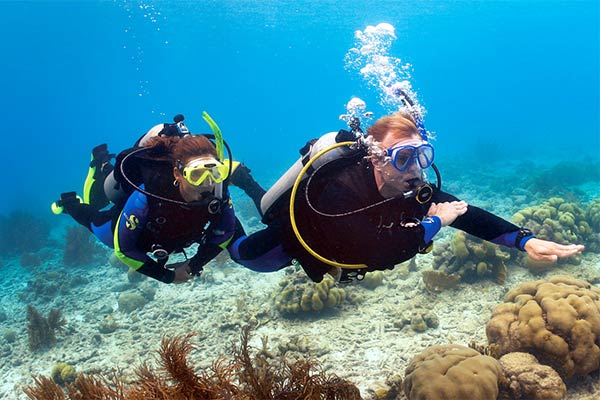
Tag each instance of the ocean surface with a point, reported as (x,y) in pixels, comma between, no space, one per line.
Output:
(510,90)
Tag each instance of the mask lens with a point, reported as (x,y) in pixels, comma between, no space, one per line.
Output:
(425,155)
(199,172)
(197,176)
(403,156)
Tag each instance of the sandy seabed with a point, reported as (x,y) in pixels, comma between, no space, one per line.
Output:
(357,341)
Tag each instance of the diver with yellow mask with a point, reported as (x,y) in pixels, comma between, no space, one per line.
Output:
(165,194)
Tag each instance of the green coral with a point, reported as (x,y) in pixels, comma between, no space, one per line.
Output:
(108,324)
(131,301)
(592,215)
(470,259)
(63,373)
(299,295)
(564,222)
(372,279)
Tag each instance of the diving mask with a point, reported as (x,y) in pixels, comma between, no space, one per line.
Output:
(402,157)
(197,171)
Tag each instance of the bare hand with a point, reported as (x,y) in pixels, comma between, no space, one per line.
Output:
(448,212)
(183,272)
(544,250)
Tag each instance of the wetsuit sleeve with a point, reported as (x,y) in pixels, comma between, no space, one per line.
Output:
(483,224)
(432,226)
(128,230)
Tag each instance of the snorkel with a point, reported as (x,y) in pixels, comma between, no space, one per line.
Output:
(219,145)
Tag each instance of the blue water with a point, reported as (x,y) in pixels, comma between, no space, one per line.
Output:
(517,78)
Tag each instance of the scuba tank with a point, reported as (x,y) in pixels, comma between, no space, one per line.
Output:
(356,109)
(286,181)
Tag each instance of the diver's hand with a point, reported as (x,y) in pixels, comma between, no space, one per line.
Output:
(544,250)
(183,272)
(447,212)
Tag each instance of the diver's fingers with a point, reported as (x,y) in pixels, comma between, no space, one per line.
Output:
(544,257)
(568,250)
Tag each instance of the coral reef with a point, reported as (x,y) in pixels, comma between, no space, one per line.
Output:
(556,320)
(9,335)
(559,221)
(299,295)
(108,324)
(391,389)
(80,247)
(469,258)
(46,285)
(528,379)
(560,178)
(244,377)
(131,301)
(372,280)
(437,281)
(22,232)
(452,372)
(30,260)
(42,330)
(63,373)
(592,215)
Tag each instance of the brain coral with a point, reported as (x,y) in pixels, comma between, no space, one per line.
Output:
(452,372)
(556,320)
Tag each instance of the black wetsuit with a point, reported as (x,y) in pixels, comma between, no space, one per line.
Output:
(379,236)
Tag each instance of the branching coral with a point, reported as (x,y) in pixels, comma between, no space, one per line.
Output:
(556,320)
(244,377)
(41,330)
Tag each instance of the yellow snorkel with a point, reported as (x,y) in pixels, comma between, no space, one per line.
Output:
(218,135)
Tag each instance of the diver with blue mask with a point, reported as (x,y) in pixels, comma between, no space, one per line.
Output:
(354,203)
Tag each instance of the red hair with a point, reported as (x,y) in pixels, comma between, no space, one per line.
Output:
(182,149)
(398,125)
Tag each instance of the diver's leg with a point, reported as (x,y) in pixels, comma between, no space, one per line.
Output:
(100,167)
(241,178)
(262,251)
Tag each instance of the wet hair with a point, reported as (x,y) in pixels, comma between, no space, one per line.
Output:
(399,125)
(181,149)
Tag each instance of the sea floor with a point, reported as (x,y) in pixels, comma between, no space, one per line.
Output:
(358,341)
(362,340)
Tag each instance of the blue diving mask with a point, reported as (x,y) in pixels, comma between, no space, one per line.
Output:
(403,157)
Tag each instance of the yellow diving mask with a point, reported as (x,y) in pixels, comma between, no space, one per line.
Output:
(197,171)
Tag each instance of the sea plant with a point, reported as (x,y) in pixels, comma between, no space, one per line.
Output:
(42,330)
(245,376)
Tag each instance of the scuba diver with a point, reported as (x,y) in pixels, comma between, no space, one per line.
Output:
(355,203)
(166,193)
